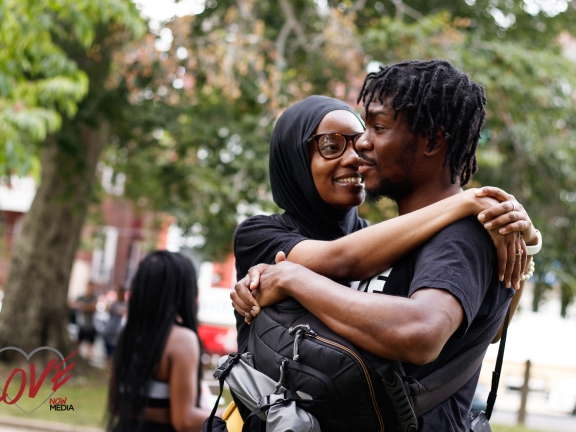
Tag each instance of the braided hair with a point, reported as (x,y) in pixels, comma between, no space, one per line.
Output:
(163,288)
(435,96)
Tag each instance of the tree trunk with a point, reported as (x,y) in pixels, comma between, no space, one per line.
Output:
(35,311)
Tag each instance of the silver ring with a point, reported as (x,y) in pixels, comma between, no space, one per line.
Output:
(513,205)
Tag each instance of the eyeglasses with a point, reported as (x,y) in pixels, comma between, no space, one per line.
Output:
(333,145)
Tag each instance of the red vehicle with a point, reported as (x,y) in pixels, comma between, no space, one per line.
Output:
(217,329)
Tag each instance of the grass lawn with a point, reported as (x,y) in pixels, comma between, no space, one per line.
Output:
(500,428)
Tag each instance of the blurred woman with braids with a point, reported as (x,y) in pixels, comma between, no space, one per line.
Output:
(155,384)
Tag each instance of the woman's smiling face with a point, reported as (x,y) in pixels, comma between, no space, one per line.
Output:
(337,180)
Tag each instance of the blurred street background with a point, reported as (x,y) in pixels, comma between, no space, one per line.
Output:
(132,126)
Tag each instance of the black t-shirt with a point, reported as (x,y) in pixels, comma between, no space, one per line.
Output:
(461,260)
(257,240)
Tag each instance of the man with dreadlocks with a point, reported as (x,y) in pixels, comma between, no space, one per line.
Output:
(423,122)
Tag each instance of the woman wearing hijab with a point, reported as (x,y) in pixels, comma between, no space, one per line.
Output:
(314,178)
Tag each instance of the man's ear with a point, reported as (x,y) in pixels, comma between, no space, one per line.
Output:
(441,145)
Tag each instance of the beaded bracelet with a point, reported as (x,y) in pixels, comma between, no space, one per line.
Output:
(530,272)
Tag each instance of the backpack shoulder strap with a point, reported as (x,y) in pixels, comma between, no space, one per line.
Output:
(444,382)
(447,380)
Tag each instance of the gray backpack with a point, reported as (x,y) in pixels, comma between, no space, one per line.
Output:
(270,401)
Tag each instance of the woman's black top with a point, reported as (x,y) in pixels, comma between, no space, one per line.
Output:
(306,215)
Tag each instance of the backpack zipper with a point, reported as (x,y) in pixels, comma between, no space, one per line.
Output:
(314,335)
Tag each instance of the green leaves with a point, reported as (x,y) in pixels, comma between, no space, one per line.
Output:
(39,82)
(528,147)
(244,66)
(196,140)
(193,140)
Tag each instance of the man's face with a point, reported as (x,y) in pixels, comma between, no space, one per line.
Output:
(387,153)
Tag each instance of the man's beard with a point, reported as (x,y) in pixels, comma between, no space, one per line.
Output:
(395,189)
(399,186)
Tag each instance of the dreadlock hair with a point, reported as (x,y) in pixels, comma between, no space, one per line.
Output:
(435,96)
(164,286)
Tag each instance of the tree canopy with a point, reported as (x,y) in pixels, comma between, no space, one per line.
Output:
(205,106)
(196,141)
(39,82)
(529,139)
(204,91)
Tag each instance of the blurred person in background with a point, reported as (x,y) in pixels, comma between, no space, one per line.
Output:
(117,310)
(155,383)
(85,306)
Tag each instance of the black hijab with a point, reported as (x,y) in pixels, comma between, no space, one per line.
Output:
(291,177)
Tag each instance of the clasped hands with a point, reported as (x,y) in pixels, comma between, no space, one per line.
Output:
(264,285)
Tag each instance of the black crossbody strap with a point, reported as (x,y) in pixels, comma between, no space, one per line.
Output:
(443,383)
(220,374)
(439,386)
(213,413)
(497,368)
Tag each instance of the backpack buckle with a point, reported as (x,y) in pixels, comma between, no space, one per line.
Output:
(266,402)
(224,369)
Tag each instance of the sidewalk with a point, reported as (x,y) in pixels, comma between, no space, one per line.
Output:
(15,424)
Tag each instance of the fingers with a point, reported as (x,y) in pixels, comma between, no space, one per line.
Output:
(254,275)
(517,271)
(511,251)
(494,192)
(243,299)
(524,256)
(241,306)
(519,226)
(247,317)
(280,256)
(502,254)
(501,209)
(502,222)
(508,216)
